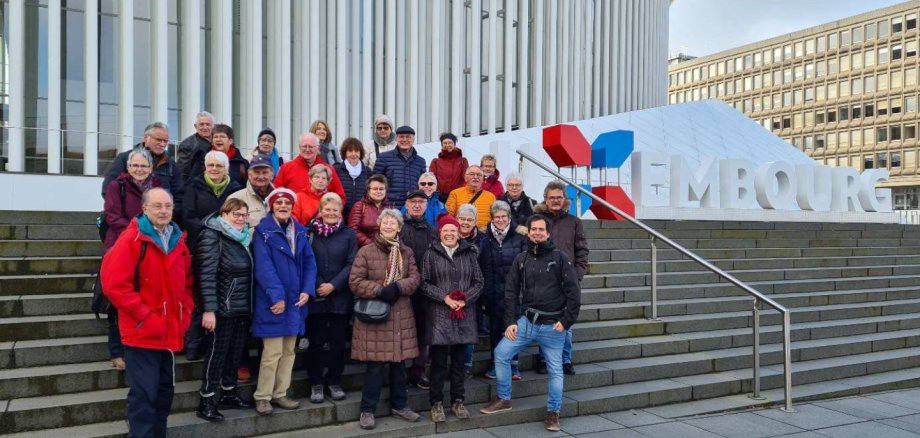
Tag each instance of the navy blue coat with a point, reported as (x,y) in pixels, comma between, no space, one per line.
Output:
(281,275)
(334,256)
(355,188)
(496,259)
(402,174)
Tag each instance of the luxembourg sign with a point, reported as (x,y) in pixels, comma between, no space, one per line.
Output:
(717,183)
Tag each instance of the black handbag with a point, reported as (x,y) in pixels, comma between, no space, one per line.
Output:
(372,311)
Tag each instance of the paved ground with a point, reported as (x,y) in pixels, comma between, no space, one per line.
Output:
(892,414)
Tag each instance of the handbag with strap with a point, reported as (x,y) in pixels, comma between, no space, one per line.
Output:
(372,311)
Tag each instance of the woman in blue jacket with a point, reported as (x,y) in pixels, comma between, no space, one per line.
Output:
(285,277)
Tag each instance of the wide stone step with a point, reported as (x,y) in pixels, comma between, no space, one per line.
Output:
(752,263)
(45,284)
(49,232)
(721,243)
(666,253)
(39,305)
(50,248)
(49,265)
(53,326)
(47,217)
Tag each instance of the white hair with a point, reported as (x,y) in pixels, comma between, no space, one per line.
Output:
(204,114)
(219,156)
(512,176)
(428,175)
(390,212)
(467,209)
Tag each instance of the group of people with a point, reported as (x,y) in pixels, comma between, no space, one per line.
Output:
(360,251)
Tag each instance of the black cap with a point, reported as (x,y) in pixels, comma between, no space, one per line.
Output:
(261,160)
(405,129)
(269,132)
(416,194)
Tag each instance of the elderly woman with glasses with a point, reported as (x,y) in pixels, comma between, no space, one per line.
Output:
(206,192)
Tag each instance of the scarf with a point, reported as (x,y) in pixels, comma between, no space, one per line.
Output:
(353,171)
(499,234)
(323,229)
(144,185)
(394,260)
(243,236)
(217,187)
(405,154)
(457,295)
(327,150)
(289,233)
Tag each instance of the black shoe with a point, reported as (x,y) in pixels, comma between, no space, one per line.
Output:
(207,409)
(421,382)
(540,367)
(230,399)
(568,369)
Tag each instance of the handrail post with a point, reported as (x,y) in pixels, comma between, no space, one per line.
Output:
(654,286)
(756,342)
(787,361)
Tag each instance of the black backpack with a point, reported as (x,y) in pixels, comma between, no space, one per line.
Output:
(101,304)
(100,220)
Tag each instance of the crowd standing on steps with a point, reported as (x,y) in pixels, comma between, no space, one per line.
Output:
(361,252)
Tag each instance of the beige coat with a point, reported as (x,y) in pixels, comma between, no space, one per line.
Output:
(257,210)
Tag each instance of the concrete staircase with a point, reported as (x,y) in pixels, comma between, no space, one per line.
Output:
(853,289)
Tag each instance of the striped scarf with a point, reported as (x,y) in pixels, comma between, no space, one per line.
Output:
(394,260)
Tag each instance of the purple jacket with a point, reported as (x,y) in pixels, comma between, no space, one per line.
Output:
(114,217)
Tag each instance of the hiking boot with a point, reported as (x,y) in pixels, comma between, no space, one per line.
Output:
(540,366)
(552,421)
(207,409)
(496,406)
(406,414)
(568,369)
(263,407)
(230,399)
(459,410)
(367,420)
(316,394)
(286,403)
(336,392)
(437,413)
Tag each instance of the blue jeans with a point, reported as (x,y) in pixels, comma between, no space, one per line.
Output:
(550,341)
(566,349)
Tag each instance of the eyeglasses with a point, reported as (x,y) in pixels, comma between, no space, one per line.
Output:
(160,206)
(214,166)
(426,184)
(239,215)
(514,185)
(474,174)
(139,166)
(377,189)
(383,128)
(555,198)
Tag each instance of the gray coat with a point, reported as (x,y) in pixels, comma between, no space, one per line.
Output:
(440,276)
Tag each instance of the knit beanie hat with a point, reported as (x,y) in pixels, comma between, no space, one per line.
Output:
(280,192)
(383,118)
(446,219)
(269,132)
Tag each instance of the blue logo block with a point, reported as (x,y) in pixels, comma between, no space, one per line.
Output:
(611,149)
(571,193)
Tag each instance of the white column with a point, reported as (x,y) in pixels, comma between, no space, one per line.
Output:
(284,123)
(604,59)
(16,148)
(354,71)
(539,37)
(437,66)
(221,56)
(250,71)
(523,62)
(508,67)
(314,66)
(476,68)
(159,25)
(278,70)
(565,62)
(91,87)
(54,86)
(301,69)
(367,73)
(342,72)
(190,82)
(390,62)
(378,59)
(457,38)
(493,68)
(578,67)
(414,68)
(552,65)
(597,43)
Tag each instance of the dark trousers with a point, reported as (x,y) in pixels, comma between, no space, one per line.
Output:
(227,345)
(115,347)
(151,377)
(327,334)
(373,384)
(420,313)
(439,355)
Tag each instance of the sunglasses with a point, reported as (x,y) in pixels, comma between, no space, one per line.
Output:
(426,184)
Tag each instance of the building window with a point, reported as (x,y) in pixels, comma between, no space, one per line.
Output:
(787,122)
(787,51)
(809,142)
(720,67)
(869,57)
(819,141)
(895,52)
(844,63)
(843,114)
(897,79)
(895,133)
(881,160)
(845,38)
(809,71)
(856,111)
(881,135)
(910,132)
(911,21)
(910,77)
(819,118)
(856,86)
(896,24)
(881,108)
(857,34)
(822,43)
(910,104)
(809,94)
(844,88)
(869,136)
(831,116)
(882,81)
(832,90)
(799,49)
(832,66)
(869,84)
(857,60)
(870,31)
(883,55)
(758,82)
(787,75)
(739,63)
(821,68)
(910,49)
(748,61)
(832,41)
(799,72)
(797,142)
(777,102)
(869,110)
(758,59)
(766,79)
(856,137)
(777,54)
(798,121)
(868,162)
(883,27)
(895,160)
(820,92)
(844,140)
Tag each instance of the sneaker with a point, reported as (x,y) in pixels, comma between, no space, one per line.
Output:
(459,410)
(496,406)
(515,374)
(263,407)
(568,369)
(367,420)
(316,394)
(336,392)
(437,413)
(406,414)
(286,403)
(421,382)
(491,374)
(552,421)
(540,366)
(243,375)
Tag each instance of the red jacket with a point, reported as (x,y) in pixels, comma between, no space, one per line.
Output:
(363,219)
(492,184)
(450,169)
(295,175)
(158,315)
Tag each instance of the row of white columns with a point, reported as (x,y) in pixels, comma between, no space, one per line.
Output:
(466,66)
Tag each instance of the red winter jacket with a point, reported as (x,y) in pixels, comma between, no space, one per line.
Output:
(363,219)
(158,315)
(492,184)
(295,175)
(450,169)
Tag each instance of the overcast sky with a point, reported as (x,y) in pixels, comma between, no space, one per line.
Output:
(703,27)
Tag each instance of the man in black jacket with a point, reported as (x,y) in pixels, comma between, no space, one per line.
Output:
(191,145)
(418,235)
(542,300)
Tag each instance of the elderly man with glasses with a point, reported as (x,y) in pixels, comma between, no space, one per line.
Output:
(472,193)
(295,174)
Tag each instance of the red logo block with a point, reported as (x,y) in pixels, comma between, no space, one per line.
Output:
(566,145)
(615,196)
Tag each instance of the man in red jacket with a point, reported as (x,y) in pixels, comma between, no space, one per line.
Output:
(295,174)
(147,275)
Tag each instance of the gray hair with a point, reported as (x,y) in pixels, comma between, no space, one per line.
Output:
(143,152)
(317,168)
(145,198)
(499,206)
(428,175)
(155,125)
(512,176)
(390,212)
(553,185)
(330,198)
(467,209)
(219,156)
(204,114)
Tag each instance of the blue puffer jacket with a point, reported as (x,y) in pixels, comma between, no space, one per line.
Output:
(281,275)
(402,174)
(334,256)
(355,188)
(496,259)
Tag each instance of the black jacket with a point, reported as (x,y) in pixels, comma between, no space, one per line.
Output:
(187,150)
(496,259)
(417,234)
(522,209)
(568,234)
(164,168)
(542,278)
(238,170)
(334,256)
(200,201)
(441,275)
(355,188)
(223,272)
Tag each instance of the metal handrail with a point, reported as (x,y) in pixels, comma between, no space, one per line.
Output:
(759,298)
